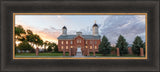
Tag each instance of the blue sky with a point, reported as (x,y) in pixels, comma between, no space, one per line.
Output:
(49,26)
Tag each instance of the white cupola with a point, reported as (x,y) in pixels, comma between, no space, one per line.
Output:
(64,31)
(95,29)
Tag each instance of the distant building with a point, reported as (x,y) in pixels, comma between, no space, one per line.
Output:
(87,43)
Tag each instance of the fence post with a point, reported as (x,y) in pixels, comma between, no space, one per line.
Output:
(141,52)
(118,52)
(37,51)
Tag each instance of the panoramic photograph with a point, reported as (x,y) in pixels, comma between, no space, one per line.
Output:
(80,36)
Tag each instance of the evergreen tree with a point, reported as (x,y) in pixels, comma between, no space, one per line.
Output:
(16,50)
(56,48)
(122,45)
(53,45)
(45,44)
(113,48)
(137,44)
(144,48)
(49,49)
(104,47)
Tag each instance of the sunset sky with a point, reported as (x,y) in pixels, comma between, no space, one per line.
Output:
(49,26)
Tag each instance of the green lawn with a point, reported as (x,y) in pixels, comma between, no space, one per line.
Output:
(41,54)
(67,54)
(110,55)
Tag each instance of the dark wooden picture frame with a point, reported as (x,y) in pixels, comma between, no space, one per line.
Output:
(9,7)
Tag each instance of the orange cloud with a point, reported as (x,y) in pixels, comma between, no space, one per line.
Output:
(49,34)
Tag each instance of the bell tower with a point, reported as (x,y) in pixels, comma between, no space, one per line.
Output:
(64,31)
(95,29)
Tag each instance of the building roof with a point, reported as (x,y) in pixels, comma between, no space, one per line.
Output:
(84,36)
(64,27)
(95,25)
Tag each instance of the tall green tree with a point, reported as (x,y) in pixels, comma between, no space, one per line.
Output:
(34,39)
(38,41)
(49,49)
(104,47)
(56,48)
(45,45)
(144,47)
(19,30)
(113,48)
(29,32)
(122,45)
(18,33)
(27,37)
(30,37)
(16,49)
(25,46)
(137,44)
(53,46)
(41,43)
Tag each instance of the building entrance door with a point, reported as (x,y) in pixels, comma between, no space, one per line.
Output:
(79,49)
(79,52)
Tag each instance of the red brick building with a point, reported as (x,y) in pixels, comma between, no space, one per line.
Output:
(87,43)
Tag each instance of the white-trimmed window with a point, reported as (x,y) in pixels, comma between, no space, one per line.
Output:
(95,42)
(66,42)
(86,42)
(62,47)
(66,47)
(71,42)
(86,46)
(95,47)
(71,46)
(90,42)
(61,42)
(90,47)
